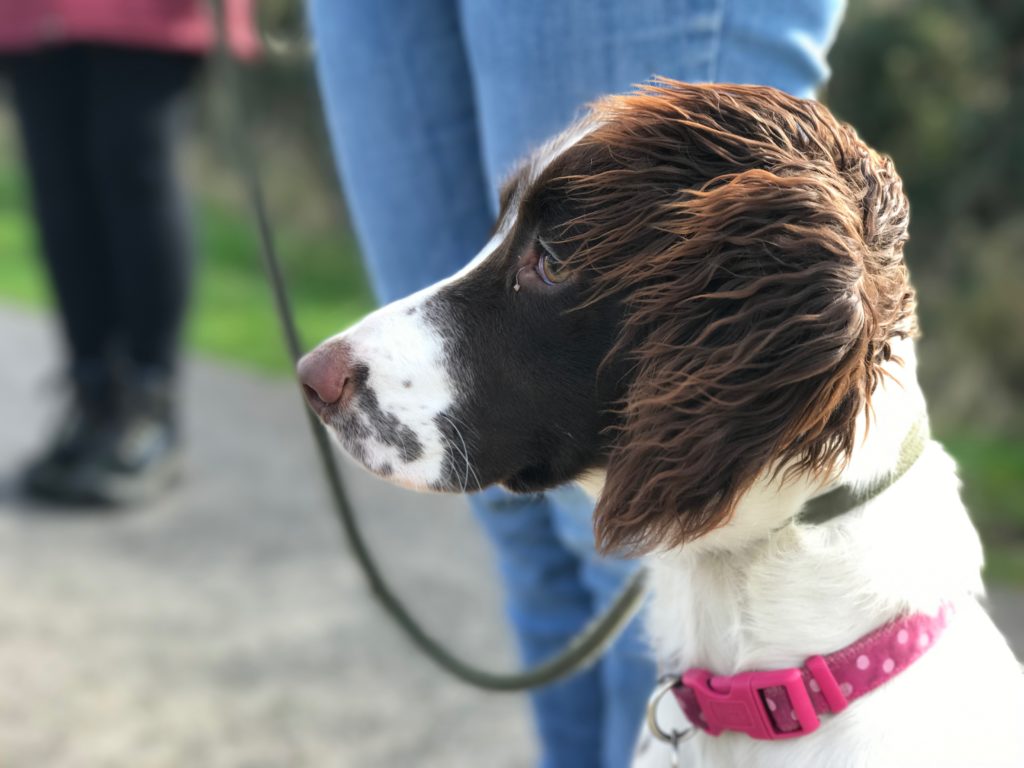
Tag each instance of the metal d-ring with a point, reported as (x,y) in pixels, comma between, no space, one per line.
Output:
(674,737)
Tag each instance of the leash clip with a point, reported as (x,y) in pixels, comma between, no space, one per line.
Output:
(673,737)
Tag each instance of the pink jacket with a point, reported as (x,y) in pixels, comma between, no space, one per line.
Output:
(172,25)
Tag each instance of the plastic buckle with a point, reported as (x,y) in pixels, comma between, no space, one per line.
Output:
(742,706)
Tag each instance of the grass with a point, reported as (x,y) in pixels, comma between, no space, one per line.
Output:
(233,320)
(232,316)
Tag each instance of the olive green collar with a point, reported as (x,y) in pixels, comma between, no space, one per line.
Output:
(838,501)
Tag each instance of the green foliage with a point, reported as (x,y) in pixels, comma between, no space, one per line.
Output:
(19,279)
(234,317)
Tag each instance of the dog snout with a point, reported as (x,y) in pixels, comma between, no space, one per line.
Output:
(327,376)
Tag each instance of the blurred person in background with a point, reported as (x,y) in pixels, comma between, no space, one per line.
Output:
(99,87)
(429,105)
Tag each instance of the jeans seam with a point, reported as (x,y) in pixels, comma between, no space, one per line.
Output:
(715,44)
(703,31)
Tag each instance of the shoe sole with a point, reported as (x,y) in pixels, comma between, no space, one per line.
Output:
(108,489)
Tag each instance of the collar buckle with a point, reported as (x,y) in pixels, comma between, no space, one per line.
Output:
(738,702)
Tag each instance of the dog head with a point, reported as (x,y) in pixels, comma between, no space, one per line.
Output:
(692,286)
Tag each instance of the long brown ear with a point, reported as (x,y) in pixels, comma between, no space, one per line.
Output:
(753,334)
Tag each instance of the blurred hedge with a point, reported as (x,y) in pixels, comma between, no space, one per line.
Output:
(940,87)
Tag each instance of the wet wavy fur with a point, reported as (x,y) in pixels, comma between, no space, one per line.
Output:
(757,246)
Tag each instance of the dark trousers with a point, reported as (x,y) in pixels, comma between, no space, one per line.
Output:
(100,127)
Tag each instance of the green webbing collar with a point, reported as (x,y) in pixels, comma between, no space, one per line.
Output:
(838,501)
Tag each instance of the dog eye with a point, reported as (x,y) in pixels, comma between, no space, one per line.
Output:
(549,266)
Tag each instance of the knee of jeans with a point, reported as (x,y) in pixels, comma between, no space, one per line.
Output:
(783,47)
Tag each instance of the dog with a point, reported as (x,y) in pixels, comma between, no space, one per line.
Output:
(695,304)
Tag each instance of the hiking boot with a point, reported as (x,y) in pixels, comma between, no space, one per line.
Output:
(128,459)
(87,422)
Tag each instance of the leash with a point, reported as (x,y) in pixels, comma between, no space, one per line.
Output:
(579,652)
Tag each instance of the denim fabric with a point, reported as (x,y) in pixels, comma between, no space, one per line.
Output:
(429,104)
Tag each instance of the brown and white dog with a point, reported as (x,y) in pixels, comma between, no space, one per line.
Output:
(695,302)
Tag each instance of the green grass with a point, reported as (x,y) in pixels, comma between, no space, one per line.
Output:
(20,279)
(232,316)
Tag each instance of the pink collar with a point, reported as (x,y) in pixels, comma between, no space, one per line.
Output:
(783,703)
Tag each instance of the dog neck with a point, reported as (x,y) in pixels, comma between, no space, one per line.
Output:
(766,590)
(896,411)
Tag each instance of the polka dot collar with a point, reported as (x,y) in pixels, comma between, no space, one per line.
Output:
(783,703)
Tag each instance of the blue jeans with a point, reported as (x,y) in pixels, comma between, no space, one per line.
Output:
(429,104)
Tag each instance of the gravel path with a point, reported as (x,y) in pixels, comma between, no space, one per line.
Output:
(226,625)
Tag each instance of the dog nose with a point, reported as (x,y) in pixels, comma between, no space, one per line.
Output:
(326,375)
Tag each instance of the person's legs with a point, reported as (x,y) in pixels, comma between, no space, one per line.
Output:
(548,603)
(51,96)
(535,64)
(134,128)
(779,44)
(399,107)
(626,669)
(122,275)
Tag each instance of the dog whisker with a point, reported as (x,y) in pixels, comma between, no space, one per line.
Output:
(465,455)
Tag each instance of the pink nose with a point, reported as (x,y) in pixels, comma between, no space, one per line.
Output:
(326,375)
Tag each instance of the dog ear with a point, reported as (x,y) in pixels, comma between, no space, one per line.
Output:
(752,338)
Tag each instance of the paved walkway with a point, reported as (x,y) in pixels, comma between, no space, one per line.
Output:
(225,626)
